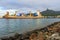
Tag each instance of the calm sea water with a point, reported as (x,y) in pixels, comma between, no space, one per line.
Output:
(9,26)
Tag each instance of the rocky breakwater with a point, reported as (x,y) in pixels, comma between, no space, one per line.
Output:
(51,32)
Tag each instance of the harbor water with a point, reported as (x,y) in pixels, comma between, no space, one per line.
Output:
(10,26)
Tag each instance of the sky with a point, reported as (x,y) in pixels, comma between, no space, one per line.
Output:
(28,5)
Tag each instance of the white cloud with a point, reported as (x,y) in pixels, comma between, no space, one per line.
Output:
(27,5)
(3,12)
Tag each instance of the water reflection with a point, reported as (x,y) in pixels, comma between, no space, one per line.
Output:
(8,26)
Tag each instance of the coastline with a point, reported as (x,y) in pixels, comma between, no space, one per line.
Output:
(34,33)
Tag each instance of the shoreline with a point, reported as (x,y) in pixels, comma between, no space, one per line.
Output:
(28,35)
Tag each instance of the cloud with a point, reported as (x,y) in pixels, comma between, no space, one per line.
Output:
(30,4)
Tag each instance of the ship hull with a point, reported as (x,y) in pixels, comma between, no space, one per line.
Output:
(18,17)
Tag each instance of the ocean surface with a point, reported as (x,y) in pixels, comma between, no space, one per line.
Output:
(10,26)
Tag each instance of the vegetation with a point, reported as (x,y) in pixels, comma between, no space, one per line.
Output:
(50,13)
(47,12)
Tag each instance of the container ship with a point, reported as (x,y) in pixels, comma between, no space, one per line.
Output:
(23,16)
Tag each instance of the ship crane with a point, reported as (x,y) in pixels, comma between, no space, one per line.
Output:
(16,12)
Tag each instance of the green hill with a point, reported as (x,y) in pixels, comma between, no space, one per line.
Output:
(50,13)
